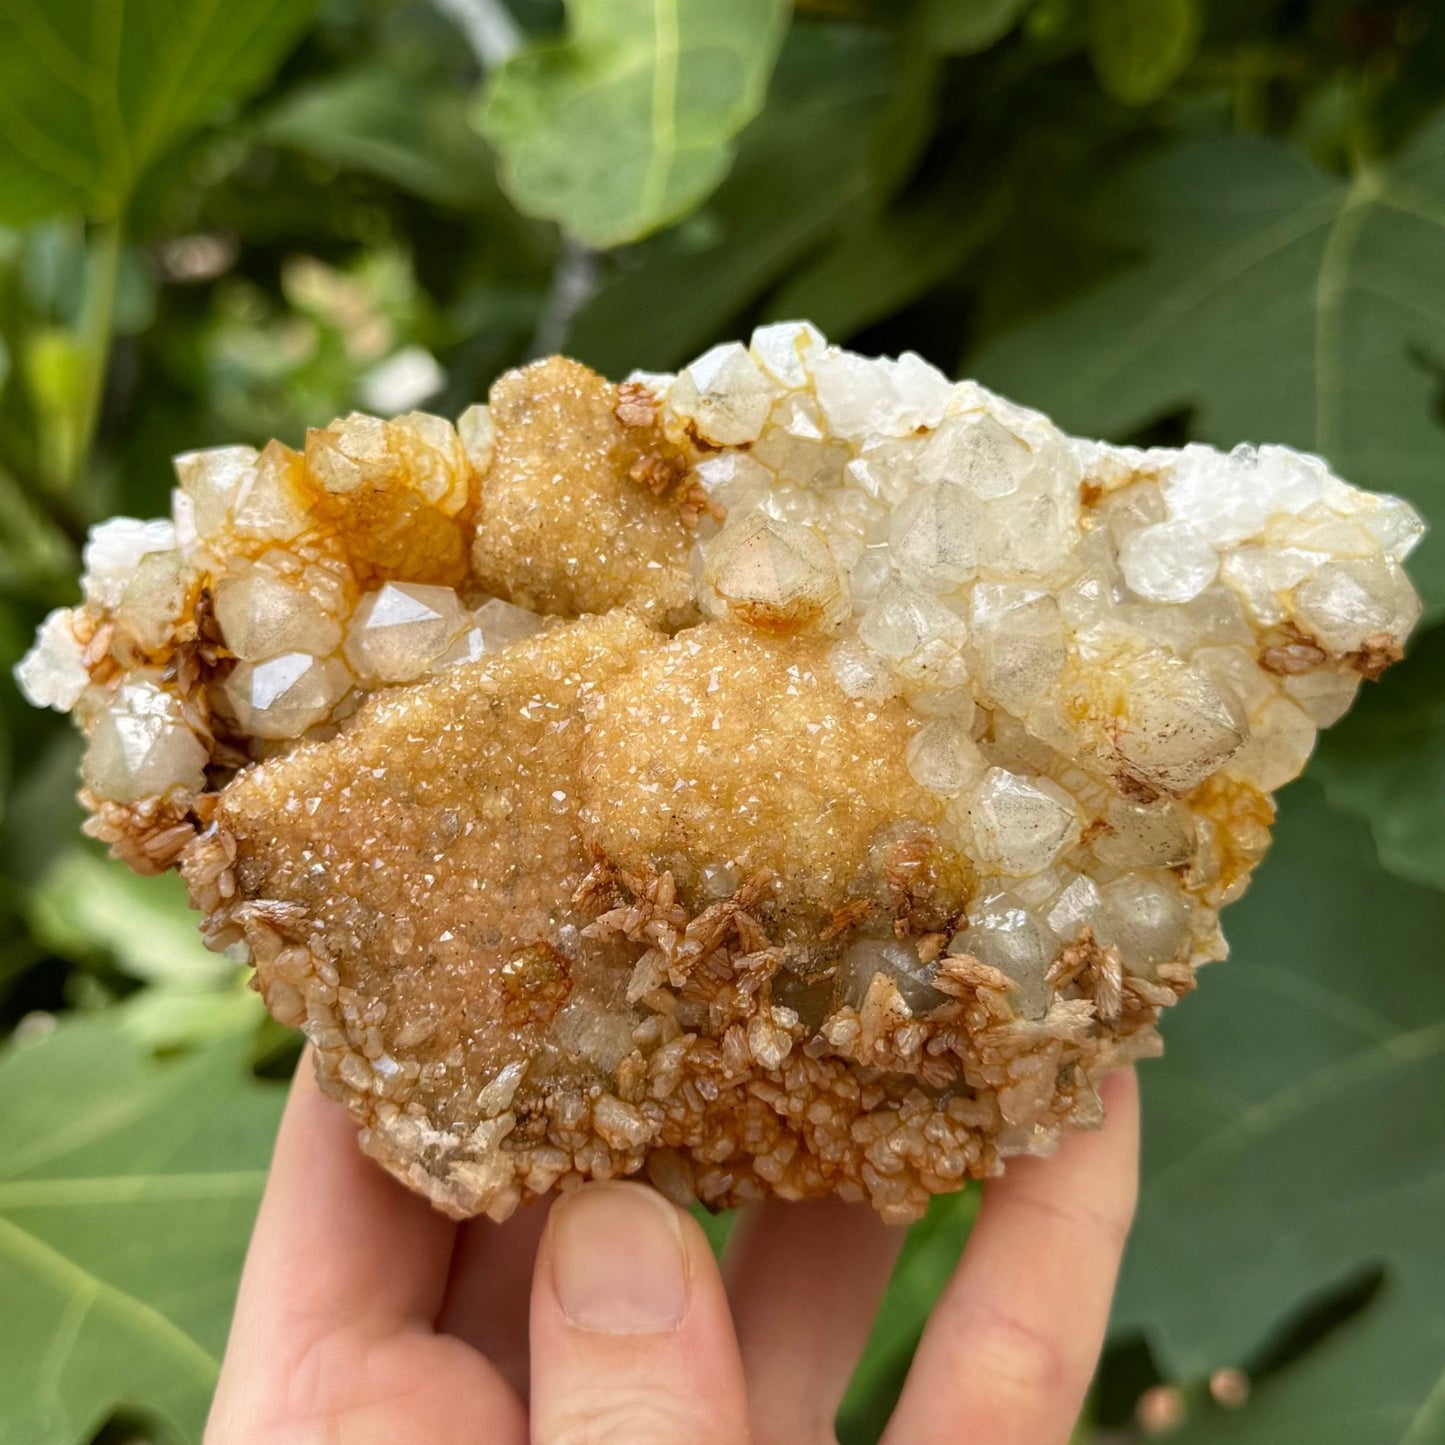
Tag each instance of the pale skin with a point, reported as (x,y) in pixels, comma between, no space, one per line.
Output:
(366,1318)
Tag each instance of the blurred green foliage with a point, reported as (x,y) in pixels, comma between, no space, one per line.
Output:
(1156,219)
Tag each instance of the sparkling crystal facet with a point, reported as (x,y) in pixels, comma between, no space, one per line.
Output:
(401,629)
(283,696)
(142,746)
(803,773)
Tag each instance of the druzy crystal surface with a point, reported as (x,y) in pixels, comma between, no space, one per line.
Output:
(801,774)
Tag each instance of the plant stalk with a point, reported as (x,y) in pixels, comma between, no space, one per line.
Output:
(96,321)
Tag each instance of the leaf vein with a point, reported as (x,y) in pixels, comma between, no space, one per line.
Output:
(68,1276)
(664,103)
(1209,281)
(1270,1113)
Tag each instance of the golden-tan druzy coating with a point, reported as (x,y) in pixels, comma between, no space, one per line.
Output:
(721,746)
(570,519)
(803,774)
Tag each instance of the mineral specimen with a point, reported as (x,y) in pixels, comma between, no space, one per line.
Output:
(802,774)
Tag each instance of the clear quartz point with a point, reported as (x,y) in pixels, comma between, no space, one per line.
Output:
(803,773)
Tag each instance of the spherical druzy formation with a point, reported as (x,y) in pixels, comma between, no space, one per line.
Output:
(803,774)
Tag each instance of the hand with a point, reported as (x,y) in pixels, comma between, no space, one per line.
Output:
(365,1318)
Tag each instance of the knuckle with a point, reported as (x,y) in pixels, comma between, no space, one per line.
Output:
(1097,1226)
(1016,1360)
(620,1416)
(331,1362)
(809,1431)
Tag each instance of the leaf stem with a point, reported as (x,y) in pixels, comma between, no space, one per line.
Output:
(96,319)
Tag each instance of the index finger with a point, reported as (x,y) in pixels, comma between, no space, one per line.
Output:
(1011,1348)
(337,1241)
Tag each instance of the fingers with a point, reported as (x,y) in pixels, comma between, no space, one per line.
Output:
(488,1295)
(631,1337)
(331,1338)
(805,1281)
(1009,1353)
(336,1239)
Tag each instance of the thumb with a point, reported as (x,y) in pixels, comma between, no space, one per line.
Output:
(631,1336)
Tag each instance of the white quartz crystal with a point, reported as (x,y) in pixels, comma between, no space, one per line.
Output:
(1148,920)
(1101,658)
(934,536)
(898,962)
(141,745)
(778,573)
(501,623)
(53,672)
(863,395)
(1175,723)
(1169,562)
(114,552)
(156,600)
(1344,604)
(1137,834)
(783,350)
(493,626)
(861,672)
(263,614)
(1007,935)
(1021,824)
(212,481)
(283,696)
(401,629)
(944,759)
(903,620)
(976,452)
(269,503)
(474,427)
(1019,636)
(725,394)
(1073,903)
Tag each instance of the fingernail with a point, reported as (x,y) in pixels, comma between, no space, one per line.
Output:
(617,1260)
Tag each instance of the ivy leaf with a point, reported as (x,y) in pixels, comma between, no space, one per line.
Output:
(93,91)
(1294,1141)
(802,172)
(1275,301)
(1386,763)
(1139,46)
(629,123)
(127,1190)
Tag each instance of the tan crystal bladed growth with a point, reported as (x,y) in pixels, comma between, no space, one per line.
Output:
(803,774)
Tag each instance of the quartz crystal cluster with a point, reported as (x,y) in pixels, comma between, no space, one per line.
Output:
(801,774)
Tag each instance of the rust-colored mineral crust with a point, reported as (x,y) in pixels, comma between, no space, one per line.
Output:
(801,775)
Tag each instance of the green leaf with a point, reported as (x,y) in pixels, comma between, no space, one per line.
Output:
(379,122)
(34,553)
(802,172)
(965,27)
(127,1190)
(1294,1140)
(928,1258)
(170,1016)
(1277,303)
(93,91)
(1386,763)
(884,264)
(1139,46)
(85,904)
(629,123)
